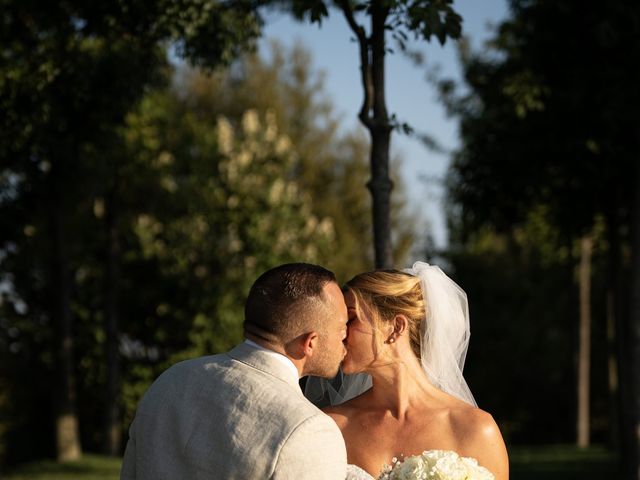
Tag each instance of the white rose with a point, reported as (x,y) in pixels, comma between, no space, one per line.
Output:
(476,472)
(449,467)
(411,469)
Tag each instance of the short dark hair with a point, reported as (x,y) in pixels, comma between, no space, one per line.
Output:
(283,300)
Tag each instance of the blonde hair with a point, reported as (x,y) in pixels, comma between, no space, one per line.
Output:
(387,293)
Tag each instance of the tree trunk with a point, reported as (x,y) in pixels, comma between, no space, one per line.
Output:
(634,340)
(621,303)
(380,130)
(380,187)
(584,349)
(112,427)
(612,370)
(68,445)
(373,115)
(613,314)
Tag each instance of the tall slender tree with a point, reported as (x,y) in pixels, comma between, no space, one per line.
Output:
(423,19)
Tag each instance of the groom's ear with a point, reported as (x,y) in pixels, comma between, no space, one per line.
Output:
(310,343)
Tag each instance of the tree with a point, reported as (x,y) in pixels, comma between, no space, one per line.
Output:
(551,130)
(329,162)
(159,193)
(521,309)
(70,72)
(400,18)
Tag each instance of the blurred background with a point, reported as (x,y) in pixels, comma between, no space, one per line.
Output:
(157,156)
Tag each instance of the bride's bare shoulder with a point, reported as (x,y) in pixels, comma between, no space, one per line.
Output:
(475,423)
(481,439)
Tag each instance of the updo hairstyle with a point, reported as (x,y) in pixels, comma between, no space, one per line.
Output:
(387,293)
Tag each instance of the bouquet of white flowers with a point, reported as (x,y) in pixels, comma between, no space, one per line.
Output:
(435,465)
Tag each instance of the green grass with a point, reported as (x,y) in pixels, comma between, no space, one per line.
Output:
(561,462)
(90,467)
(552,462)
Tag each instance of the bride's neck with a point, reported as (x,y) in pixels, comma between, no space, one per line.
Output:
(399,383)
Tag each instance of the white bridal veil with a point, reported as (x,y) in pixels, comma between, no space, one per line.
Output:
(443,348)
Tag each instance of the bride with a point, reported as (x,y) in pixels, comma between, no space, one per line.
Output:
(408,332)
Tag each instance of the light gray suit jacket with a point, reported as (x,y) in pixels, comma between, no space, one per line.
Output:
(238,415)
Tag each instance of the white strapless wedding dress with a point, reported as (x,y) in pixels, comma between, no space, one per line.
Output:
(354,472)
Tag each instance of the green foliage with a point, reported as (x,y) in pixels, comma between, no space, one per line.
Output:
(331,166)
(548,154)
(209,32)
(424,19)
(78,67)
(206,183)
(521,364)
(70,72)
(430,18)
(549,129)
(235,195)
(227,206)
(210,180)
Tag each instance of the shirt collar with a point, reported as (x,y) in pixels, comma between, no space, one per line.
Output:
(276,356)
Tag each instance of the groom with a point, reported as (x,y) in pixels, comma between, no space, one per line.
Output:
(241,414)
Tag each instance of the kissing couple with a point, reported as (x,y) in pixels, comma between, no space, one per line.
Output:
(401,337)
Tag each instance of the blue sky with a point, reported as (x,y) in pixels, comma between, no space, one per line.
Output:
(409,94)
